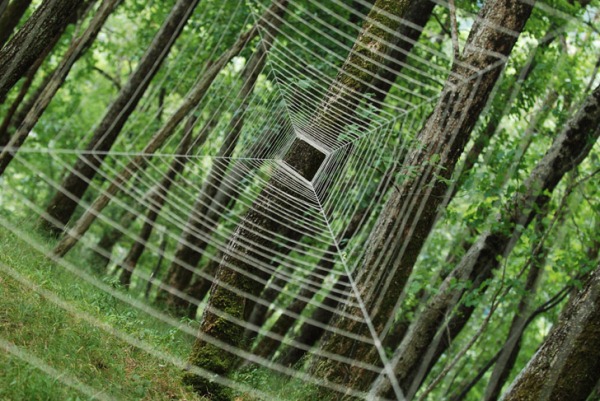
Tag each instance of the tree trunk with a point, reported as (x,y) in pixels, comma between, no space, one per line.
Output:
(109,239)
(16,114)
(310,332)
(567,365)
(462,316)
(157,267)
(11,123)
(261,226)
(408,33)
(12,111)
(76,49)
(10,17)
(227,196)
(19,54)
(138,162)
(201,286)
(512,346)
(63,204)
(157,200)
(409,215)
(190,245)
(567,151)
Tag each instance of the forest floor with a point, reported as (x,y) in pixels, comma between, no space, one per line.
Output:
(56,340)
(63,338)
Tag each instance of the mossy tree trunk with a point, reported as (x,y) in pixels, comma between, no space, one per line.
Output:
(260,222)
(230,189)
(409,214)
(567,365)
(569,148)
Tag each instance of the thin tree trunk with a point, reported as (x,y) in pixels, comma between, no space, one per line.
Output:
(409,215)
(158,266)
(157,200)
(63,204)
(109,239)
(309,332)
(128,216)
(76,49)
(138,162)
(567,365)
(12,111)
(19,54)
(258,314)
(554,301)
(512,346)
(567,151)
(17,119)
(190,245)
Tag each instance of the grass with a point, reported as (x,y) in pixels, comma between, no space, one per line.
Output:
(53,353)
(58,339)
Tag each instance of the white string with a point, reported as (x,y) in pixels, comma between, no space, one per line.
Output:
(279,110)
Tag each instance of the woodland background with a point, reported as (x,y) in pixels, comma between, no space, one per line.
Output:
(144,211)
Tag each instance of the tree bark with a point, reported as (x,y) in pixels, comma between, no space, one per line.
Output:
(10,17)
(138,162)
(63,204)
(19,54)
(11,123)
(76,49)
(267,347)
(15,116)
(225,199)
(408,33)
(409,215)
(568,150)
(12,111)
(567,365)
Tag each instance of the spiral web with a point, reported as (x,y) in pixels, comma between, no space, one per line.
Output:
(232,168)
